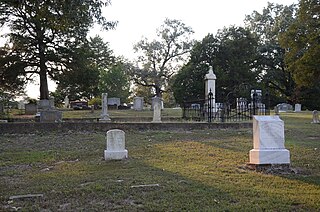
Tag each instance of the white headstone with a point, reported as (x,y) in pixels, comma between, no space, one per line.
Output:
(104,117)
(66,102)
(115,145)
(138,103)
(297,108)
(268,141)
(156,109)
(315,117)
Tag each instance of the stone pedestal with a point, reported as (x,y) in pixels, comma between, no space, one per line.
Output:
(50,116)
(115,145)
(104,117)
(156,110)
(268,141)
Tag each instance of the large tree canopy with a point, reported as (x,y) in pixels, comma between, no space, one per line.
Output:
(302,44)
(232,53)
(89,60)
(160,59)
(40,33)
(267,25)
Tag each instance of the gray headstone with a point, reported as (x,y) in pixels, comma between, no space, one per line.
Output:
(315,117)
(284,107)
(30,109)
(297,108)
(50,116)
(156,109)
(138,103)
(114,101)
(104,117)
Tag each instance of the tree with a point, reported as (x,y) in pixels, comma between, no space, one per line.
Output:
(42,30)
(160,59)
(89,60)
(267,26)
(302,44)
(232,53)
(115,81)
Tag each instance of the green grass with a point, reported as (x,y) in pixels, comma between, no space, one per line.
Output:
(196,171)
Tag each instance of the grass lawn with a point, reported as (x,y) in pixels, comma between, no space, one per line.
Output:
(186,171)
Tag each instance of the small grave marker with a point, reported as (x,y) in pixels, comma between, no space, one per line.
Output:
(115,145)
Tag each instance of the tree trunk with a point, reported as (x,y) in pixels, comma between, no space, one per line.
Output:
(158,91)
(44,90)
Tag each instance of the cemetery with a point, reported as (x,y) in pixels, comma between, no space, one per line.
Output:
(167,169)
(205,155)
(226,123)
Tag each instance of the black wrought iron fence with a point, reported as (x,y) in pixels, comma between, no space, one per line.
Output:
(232,110)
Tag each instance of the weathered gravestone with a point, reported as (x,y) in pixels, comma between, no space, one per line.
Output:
(284,107)
(155,101)
(114,101)
(50,116)
(115,145)
(297,108)
(268,141)
(315,117)
(138,103)
(104,117)
(156,110)
(47,111)
(30,109)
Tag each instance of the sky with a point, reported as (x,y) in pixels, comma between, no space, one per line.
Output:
(140,18)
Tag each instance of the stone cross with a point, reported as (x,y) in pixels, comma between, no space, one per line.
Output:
(157,110)
(315,117)
(268,141)
(104,117)
(115,145)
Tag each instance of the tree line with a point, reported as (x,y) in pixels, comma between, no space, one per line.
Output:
(277,50)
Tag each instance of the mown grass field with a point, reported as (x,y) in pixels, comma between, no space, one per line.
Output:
(199,170)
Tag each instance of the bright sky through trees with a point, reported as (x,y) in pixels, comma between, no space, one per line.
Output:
(141,18)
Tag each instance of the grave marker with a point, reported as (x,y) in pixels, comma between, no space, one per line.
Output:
(115,145)
(268,141)
(156,110)
(315,117)
(104,117)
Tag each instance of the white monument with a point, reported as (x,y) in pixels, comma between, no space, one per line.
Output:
(115,145)
(104,117)
(210,85)
(138,103)
(268,141)
(156,109)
